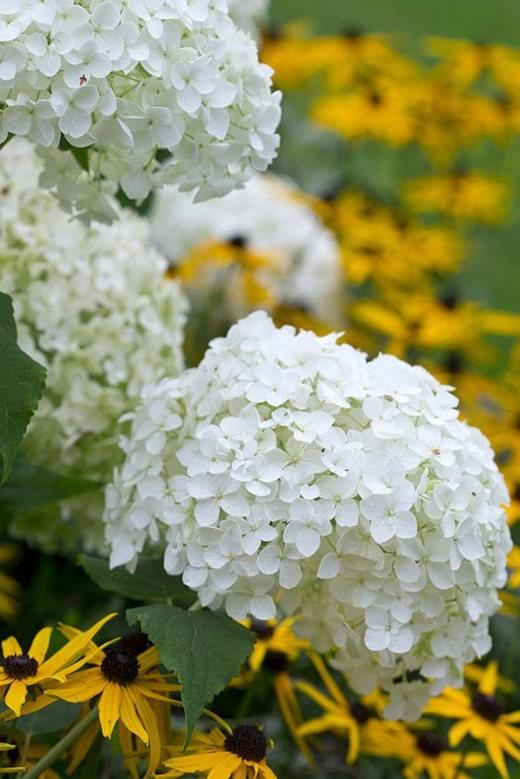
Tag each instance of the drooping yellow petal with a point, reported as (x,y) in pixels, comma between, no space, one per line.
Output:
(495,752)
(10,646)
(317,696)
(83,687)
(130,717)
(226,767)
(488,682)
(109,708)
(73,648)
(40,644)
(458,731)
(201,762)
(353,743)
(16,695)
(81,746)
(149,720)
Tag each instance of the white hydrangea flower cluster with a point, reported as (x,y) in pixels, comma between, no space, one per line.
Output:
(120,81)
(270,216)
(249,14)
(92,305)
(287,469)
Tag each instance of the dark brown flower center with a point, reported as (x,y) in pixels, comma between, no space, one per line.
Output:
(277,662)
(360,713)
(262,629)
(486,706)
(430,744)
(133,643)
(20,666)
(120,667)
(248,743)
(238,241)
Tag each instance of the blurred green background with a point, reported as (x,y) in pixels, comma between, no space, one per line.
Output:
(493,274)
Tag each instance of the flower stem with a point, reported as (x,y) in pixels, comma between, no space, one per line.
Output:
(68,739)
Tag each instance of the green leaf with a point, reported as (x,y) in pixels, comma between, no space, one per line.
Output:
(31,486)
(204,649)
(149,582)
(23,381)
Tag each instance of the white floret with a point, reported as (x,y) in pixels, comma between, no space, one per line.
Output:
(289,473)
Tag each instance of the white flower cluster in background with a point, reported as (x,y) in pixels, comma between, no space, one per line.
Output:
(272,218)
(119,81)
(93,306)
(288,470)
(249,14)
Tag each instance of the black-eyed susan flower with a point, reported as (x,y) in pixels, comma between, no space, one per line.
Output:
(30,671)
(466,195)
(19,748)
(339,715)
(276,648)
(124,685)
(238,754)
(482,717)
(423,753)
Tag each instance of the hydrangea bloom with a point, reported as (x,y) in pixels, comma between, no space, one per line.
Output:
(272,219)
(289,469)
(93,306)
(119,81)
(248,14)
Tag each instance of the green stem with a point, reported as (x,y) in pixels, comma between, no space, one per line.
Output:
(68,739)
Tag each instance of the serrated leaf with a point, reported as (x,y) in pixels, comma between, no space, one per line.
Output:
(203,648)
(21,387)
(149,582)
(30,486)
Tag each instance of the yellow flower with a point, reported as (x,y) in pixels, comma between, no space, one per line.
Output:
(340,716)
(22,671)
(481,716)
(126,686)
(424,753)
(23,749)
(239,754)
(274,637)
(378,110)
(275,649)
(465,195)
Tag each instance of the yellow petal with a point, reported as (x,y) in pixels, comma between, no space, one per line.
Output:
(109,708)
(149,720)
(130,717)
(40,644)
(202,762)
(497,756)
(72,649)
(84,686)
(488,682)
(226,767)
(16,695)
(10,646)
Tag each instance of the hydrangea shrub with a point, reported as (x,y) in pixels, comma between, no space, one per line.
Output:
(288,471)
(93,305)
